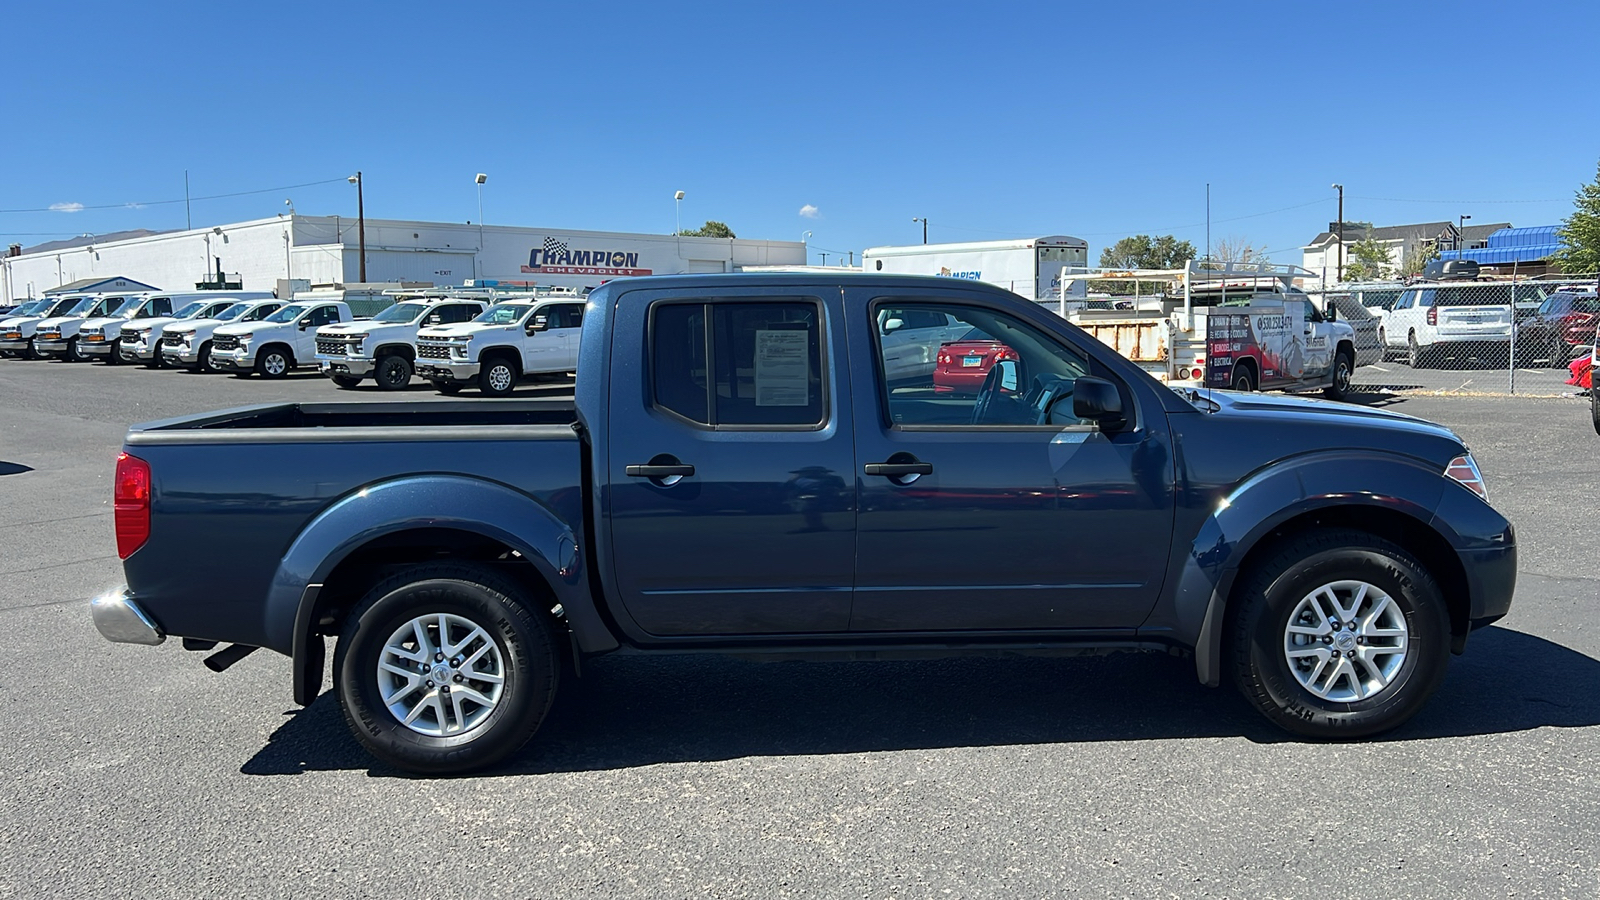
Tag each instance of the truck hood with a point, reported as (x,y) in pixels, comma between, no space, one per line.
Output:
(153,322)
(360,326)
(246,329)
(1286,408)
(54,322)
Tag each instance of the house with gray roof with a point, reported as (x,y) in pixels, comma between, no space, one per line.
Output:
(1322,253)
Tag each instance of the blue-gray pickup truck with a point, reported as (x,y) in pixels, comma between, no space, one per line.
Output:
(805,466)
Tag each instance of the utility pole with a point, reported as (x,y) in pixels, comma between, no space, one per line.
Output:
(361,222)
(1338,275)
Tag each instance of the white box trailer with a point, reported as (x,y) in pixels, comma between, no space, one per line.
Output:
(1031,267)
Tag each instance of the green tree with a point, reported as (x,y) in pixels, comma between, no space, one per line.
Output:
(711,228)
(1417,259)
(1580,232)
(1368,260)
(1145,252)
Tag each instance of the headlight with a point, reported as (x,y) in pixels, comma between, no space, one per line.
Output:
(459,350)
(1465,470)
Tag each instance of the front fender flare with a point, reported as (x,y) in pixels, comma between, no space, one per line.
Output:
(1265,501)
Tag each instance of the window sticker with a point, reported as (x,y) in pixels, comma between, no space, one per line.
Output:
(783,368)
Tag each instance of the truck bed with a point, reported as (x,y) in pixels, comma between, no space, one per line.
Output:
(280,416)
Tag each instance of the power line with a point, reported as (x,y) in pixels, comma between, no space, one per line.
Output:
(1403,200)
(135,205)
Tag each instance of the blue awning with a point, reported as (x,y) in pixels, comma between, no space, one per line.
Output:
(1512,245)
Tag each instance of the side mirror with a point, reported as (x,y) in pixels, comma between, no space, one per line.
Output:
(539,323)
(1098,400)
(304,324)
(1332,312)
(893,325)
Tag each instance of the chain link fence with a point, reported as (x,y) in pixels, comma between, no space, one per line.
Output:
(1531,337)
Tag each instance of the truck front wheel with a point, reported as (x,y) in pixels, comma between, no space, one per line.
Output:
(445,668)
(1343,370)
(497,378)
(274,362)
(392,372)
(1338,634)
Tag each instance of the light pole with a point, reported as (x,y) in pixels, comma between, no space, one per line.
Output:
(924,227)
(1338,276)
(1461,236)
(677,217)
(805,238)
(288,241)
(361,222)
(479,179)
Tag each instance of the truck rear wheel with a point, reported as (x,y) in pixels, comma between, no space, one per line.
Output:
(445,668)
(1243,379)
(1338,634)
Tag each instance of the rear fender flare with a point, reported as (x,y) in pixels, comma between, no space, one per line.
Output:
(473,505)
(1256,507)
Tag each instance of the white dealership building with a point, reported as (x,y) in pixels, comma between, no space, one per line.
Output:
(326,250)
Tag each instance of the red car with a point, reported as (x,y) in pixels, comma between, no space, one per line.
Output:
(964,364)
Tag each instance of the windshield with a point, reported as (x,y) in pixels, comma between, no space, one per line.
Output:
(401,312)
(190,310)
(288,313)
(27,308)
(83,306)
(132,309)
(233,312)
(504,313)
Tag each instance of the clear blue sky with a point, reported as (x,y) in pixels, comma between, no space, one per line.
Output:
(990,119)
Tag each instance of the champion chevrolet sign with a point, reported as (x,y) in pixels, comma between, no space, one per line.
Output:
(556,258)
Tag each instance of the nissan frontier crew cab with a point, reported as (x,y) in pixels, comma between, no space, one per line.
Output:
(736,474)
(508,342)
(188,343)
(384,346)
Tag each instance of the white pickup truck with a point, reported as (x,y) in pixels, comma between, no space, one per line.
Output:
(188,343)
(384,346)
(509,342)
(275,345)
(141,338)
(57,337)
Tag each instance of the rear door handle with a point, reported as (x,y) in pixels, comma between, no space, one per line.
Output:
(653,471)
(895,469)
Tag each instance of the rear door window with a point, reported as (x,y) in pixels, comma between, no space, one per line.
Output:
(737,363)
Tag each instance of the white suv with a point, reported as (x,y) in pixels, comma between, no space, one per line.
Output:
(384,346)
(1434,321)
(509,342)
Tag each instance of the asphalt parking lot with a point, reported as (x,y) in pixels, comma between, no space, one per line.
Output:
(135,771)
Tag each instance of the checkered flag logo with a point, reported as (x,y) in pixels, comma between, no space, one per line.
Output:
(554,247)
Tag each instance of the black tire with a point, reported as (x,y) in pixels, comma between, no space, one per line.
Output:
(274,362)
(1594,402)
(531,667)
(1384,353)
(392,373)
(1417,356)
(497,377)
(346,381)
(1268,595)
(74,353)
(32,352)
(1243,379)
(114,358)
(1559,353)
(203,364)
(448,388)
(1344,367)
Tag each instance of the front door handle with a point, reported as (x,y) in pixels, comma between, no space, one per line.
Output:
(897,469)
(660,471)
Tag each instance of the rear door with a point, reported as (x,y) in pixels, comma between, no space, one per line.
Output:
(730,500)
(977,513)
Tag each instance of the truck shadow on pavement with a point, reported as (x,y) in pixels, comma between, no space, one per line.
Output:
(638,711)
(11,468)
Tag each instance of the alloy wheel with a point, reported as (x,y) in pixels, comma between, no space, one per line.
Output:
(441,674)
(1346,641)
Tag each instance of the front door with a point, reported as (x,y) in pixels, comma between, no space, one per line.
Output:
(729,491)
(984,505)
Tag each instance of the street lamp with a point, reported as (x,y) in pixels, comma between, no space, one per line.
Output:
(805,238)
(361,222)
(1339,272)
(1461,237)
(677,211)
(924,227)
(479,180)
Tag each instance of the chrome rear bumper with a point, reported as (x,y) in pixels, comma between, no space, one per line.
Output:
(121,621)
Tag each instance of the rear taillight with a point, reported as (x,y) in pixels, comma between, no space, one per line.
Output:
(1433,315)
(1465,470)
(130,497)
